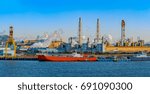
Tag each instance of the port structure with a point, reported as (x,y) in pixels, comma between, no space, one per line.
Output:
(54,43)
(10,41)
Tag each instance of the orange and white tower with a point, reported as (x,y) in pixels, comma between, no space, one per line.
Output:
(122,32)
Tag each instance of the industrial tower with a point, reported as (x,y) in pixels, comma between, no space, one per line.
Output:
(98,31)
(10,41)
(80,30)
(122,32)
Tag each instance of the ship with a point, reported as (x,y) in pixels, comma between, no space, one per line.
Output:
(140,57)
(113,59)
(67,58)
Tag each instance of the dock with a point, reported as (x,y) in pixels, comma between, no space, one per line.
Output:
(19,58)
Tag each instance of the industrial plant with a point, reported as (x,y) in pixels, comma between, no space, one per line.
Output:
(51,44)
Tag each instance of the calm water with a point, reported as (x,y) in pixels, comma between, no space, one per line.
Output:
(74,69)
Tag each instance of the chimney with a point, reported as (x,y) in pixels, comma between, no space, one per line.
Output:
(122,32)
(80,30)
(98,31)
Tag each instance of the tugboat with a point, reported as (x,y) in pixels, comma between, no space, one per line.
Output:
(66,58)
(140,57)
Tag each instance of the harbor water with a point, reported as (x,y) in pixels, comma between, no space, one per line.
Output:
(74,69)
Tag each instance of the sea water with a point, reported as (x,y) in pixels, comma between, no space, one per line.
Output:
(74,69)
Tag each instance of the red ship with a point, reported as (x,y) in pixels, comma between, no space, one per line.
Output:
(66,58)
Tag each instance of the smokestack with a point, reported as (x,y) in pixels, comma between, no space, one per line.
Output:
(98,31)
(80,30)
(122,32)
(88,40)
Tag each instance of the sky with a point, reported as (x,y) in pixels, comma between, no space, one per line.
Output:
(35,17)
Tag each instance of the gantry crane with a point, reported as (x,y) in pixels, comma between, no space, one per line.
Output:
(10,41)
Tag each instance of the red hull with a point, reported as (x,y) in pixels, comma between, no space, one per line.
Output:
(65,58)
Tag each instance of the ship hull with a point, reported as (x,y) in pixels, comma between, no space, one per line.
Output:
(64,58)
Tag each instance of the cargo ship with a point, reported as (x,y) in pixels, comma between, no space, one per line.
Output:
(66,58)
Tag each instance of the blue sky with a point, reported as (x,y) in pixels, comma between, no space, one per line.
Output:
(34,17)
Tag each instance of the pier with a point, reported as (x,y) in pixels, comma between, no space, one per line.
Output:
(19,58)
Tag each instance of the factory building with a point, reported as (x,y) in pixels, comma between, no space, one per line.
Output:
(79,46)
(127,45)
(74,44)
